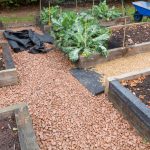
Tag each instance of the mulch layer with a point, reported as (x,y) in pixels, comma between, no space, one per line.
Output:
(140,87)
(135,34)
(8,134)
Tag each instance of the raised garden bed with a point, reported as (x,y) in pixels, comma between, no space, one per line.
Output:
(115,22)
(44,28)
(130,94)
(118,21)
(8,73)
(16,131)
(137,41)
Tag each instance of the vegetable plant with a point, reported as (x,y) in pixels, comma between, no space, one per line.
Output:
(79,34)
(53,12)
(103,11)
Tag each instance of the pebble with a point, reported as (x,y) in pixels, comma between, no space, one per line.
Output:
(34,72)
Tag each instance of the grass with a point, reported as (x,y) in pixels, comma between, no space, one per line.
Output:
(17,19)
(130,10)
(29,17)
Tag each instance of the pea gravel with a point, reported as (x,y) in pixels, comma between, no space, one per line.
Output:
(65,115)
(124,65)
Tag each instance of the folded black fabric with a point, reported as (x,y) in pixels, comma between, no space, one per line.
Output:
(28,40)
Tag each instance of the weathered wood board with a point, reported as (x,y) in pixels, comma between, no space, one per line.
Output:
(133,109)
(9,75)
(26,133)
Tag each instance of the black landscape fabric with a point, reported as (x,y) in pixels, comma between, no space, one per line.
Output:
(28,40)
(89,79)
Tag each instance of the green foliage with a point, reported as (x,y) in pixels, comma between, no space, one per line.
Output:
(79,34)
(102,11)
(53,12)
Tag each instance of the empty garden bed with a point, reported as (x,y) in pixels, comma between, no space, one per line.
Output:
(139,87)
(8,73)
(130,94)
(8,133)
(115,22)
(137,40)
(16,132)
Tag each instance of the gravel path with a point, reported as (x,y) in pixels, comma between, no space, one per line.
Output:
(124,65)
(65,115)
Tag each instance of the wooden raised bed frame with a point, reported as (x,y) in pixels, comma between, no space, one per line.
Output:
(26,134)
(9,75)
(44,28)
(114,53)
(134,110)
(115,22)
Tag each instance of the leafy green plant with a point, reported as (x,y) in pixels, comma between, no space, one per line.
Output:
(103,11)
(79,34)
(53,12)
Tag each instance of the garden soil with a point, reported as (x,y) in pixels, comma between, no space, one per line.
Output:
(135,34)
(65,115)
(140,87)
(8,136)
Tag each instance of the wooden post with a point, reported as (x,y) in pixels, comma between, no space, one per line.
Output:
(49,20)
(40,6)
(93,2)
(76,5)
(123,12)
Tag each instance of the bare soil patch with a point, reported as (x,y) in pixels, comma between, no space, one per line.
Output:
(8,134)
(135,34)
(140,87)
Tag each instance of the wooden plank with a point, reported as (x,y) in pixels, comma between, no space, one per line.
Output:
(26,133)
(9,63)
(131,107)
(98,58)
(127,25)
(127,76)
(8,77)
(115,22)
(113,54)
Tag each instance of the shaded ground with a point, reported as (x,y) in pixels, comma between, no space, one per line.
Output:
(65,115)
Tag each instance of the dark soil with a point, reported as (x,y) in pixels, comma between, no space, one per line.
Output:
(2,66)
(134,35)
(8,134)
(140,87)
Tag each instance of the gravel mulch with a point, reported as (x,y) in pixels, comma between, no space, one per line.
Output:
(124,65)
(65,115)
